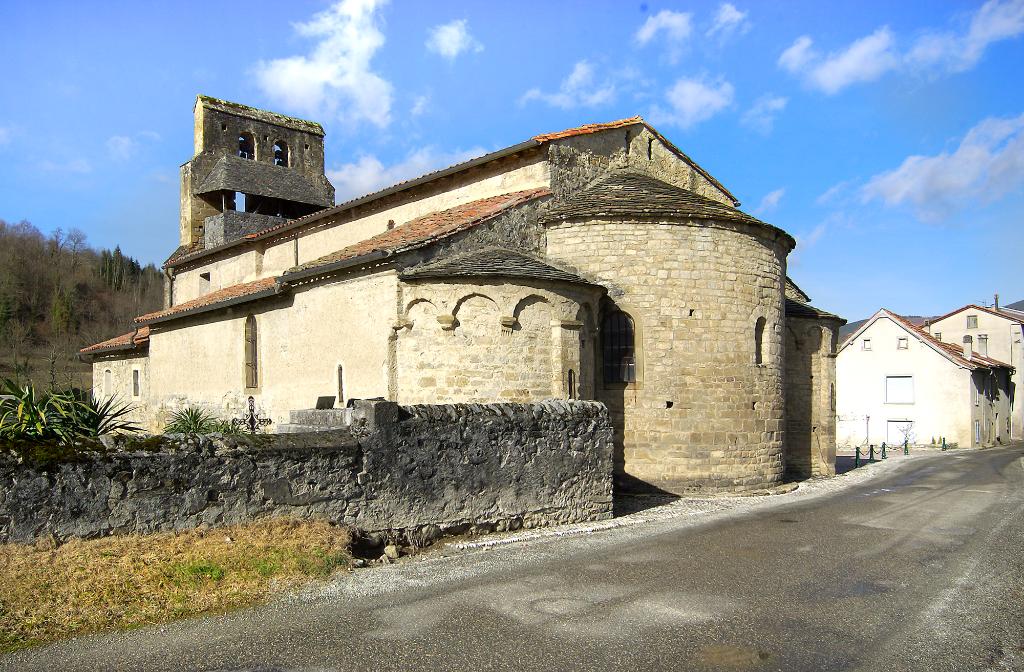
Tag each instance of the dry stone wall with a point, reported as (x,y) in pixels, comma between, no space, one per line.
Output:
(445,468)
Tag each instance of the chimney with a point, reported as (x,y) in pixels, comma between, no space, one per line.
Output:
(968,347)
(997,302)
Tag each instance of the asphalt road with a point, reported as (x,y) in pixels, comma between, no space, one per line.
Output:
(919,568)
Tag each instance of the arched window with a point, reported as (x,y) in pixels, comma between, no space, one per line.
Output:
(281,153)
(246,146)
(108,383)
(252,373)
(341,386)
(759,341)
(571,384)
(618,348)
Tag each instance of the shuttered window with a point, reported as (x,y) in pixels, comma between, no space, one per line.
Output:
(899,389)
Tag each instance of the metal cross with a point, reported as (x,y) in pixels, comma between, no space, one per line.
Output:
(252,420)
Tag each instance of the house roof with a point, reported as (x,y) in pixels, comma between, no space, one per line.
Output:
(233,173)
(796,308)
(182,255)
(1009,314)
(135,339)
(422,230)
(950,351)
(240,293)
(493,262)
(626,193)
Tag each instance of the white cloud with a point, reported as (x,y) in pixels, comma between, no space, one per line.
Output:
(833,193)
(770,202)
(335,79)
(419,105)
(693,101)
(872,56)
(995,21)
(988,164)
(761,117)
(580,89)
(814,236)
(676,27)
(864,60)
(451,39)
(121,147)
(728,21)
(369,174)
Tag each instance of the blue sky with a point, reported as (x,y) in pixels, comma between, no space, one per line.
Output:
(888,138)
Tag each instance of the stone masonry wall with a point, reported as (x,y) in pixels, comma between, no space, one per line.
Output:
(418,469)
(810,403)
(702,416)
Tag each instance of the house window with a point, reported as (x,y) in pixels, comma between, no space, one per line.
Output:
(136,383)
(281,153)
(759,341)
(246,146)
(901,343)
(899,389)
(972,321)
(252,377)
(938,335)
(865,344)
(974,392)
(618,348)
(983,345)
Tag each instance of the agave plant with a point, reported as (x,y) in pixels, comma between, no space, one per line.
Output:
(58,416)
(89,417)
(192,420)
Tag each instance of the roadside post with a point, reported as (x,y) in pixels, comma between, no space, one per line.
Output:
(943,443)
(856,458)
(906,448)
(883,450)
(871,453)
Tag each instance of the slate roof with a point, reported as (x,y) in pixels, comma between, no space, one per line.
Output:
(624,193)
(233,294)
(492,262)
(425,230)
(799,309)
(133,340)
(233,173)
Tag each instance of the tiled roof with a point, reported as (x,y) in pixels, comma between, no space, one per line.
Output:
(493,261)
(534,142)
(233,173)
(1012,315)
(796,308)
(423,230)
(625,193)
(232,293)
(133,340)
(951,350)
(587,129)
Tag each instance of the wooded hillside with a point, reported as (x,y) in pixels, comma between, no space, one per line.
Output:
(57,295)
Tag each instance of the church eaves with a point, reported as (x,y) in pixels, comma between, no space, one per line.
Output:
(493,262)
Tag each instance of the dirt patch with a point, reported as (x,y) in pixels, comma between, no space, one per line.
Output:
(49,593)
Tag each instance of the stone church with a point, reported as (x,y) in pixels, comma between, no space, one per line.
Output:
(600,262)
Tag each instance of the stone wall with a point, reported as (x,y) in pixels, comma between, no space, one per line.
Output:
(810,397)
(703,415)
(417,469)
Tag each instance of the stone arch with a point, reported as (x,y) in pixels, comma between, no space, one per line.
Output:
(476,314)
(524,306)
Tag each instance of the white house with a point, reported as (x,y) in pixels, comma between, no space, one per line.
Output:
(895,381)
(996,332)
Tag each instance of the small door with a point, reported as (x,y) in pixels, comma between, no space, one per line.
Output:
(898,430)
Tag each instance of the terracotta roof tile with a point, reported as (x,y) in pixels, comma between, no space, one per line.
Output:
(212,299)
(952,350)
(132,340)
(1012,315)
(586,129)
(418,232)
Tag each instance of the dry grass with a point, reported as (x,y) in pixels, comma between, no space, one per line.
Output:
(117,582)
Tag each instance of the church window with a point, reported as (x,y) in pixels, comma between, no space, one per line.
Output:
(571,384)
(107,383)
(341,386)
(136,383)
(246,146)
(252,378)
(281,153)
(650,148)
(759,341)
(618,348)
